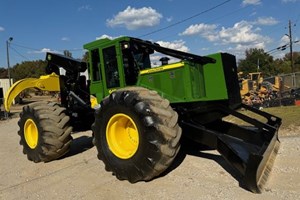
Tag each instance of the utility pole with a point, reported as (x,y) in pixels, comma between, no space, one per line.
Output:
(291,45)
(291,53)
(8,65)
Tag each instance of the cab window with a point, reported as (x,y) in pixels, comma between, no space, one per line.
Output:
(111,67)
(96,76)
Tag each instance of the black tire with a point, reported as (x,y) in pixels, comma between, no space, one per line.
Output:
(45,131)
(156,126)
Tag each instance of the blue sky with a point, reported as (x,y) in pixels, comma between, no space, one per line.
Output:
(200,27)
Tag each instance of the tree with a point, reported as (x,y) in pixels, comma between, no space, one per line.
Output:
(282,66)
(3,73)
(296,59)
(85,57)
(28,69)
(257,60)
(297,62)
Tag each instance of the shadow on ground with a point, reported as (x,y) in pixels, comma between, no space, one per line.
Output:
(80,145)
(192,148)
(84,143)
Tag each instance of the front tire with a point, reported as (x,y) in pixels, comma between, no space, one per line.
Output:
(44,131)
(136,134)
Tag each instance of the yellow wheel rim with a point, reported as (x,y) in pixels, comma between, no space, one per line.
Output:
(31,133)
(122,136)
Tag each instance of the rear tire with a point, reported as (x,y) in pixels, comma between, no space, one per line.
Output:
(146,124)
(45,131)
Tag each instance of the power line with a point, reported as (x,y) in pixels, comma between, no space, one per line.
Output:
(34,49)
(75,49)
(186,19)
(297,19)
(281,48)
(280,26)
(215,19)
(19,53)
(25,47)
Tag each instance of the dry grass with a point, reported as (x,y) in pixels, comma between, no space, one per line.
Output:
(290,116)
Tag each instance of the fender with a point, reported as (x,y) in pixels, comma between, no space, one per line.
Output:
(45,83)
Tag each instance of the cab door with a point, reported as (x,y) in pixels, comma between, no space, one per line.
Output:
(113,75)
(96,85)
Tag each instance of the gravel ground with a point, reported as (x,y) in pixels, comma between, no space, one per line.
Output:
(80,175)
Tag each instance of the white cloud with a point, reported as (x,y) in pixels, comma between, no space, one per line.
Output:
(107,36)
(207,31)
(204,49)
(242,33)
(134,19)
(43,50)
(242,48)
(66,39)
(155,59)
(84,7)
(241,36)
(289,1)
(251,2)
(268,21)
(199,29)
(177,45)
(2,29)
(284,40)
(253,13)
(169,19)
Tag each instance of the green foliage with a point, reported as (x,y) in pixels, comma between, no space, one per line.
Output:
(296,58)
(282,67)
(3,73)
(28,69)
(267,65)
(257,60)
(85,57)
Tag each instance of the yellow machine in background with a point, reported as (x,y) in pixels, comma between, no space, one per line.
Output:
(255,89)
(250,83)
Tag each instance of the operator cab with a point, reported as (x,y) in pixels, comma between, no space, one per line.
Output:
(115,64)
(135,58)
(118,63)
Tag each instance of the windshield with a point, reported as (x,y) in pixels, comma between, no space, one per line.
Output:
(142,60)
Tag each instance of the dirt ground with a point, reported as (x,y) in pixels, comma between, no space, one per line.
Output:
(80,175)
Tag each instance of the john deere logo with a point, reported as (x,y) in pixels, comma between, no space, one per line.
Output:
(49,57)
(111,90)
